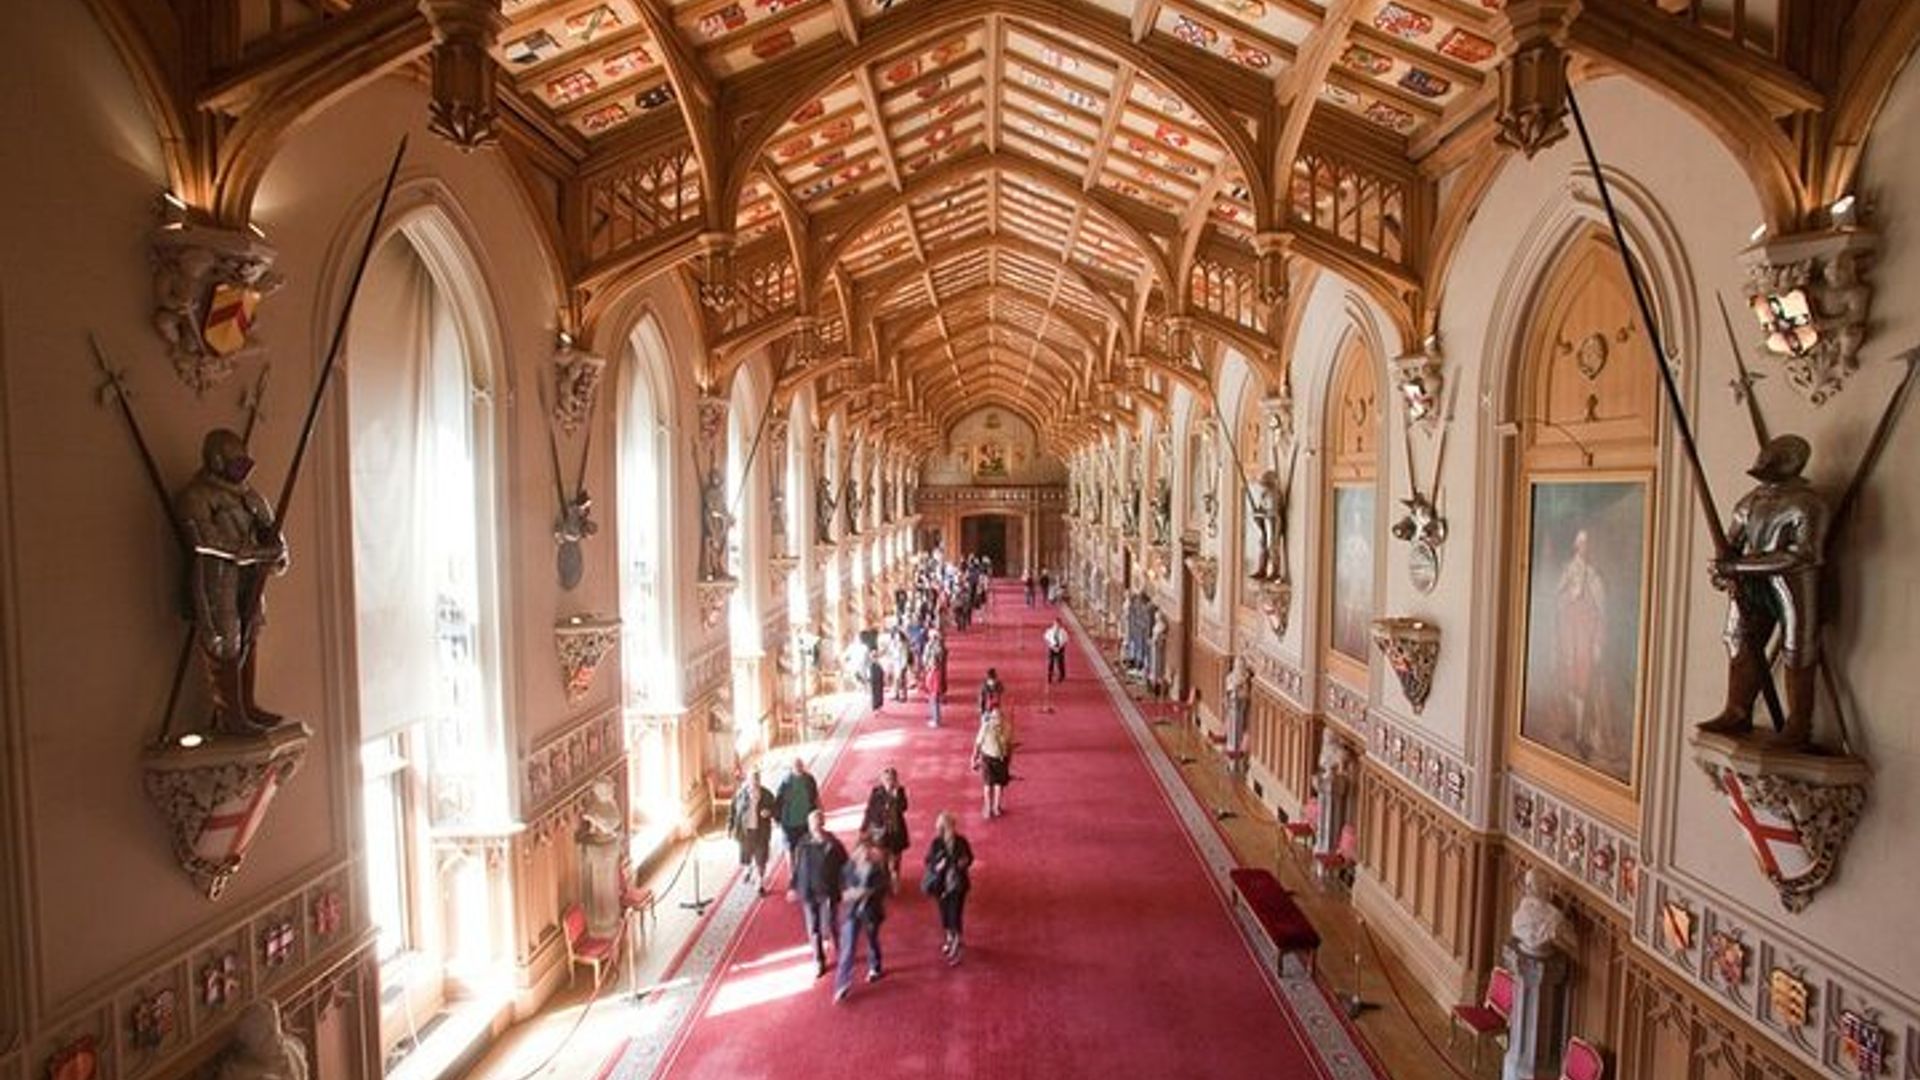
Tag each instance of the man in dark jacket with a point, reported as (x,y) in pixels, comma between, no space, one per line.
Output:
(866,884)
(797,798)
(819,864)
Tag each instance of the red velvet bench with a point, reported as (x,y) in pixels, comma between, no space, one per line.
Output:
(1282,920)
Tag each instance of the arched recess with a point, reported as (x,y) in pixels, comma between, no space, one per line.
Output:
(1350,519)
(426,487)
(649,635)
(1582,508)
(746,560)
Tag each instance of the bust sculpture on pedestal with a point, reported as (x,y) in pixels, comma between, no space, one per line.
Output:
(262,1049)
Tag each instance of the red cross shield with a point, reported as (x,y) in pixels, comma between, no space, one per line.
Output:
(1775,839)
(229,318)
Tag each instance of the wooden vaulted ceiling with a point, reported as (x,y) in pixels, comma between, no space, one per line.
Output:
(924,206)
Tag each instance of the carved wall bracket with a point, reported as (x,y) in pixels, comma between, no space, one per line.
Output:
(207,283)
(1797,810)
(1276,603)
(713,601)
(1810,295)
(583,641)
(1206,573)
(1412,648)
(214,792)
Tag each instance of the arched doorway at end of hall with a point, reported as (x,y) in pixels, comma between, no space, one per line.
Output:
(1000,537)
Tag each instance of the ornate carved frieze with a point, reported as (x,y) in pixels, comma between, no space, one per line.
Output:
(1827,1016)
(206,284)
(1441,774)
(1584,847)
(1796,811)
(583,641)
(1343,703)
(1412,648)
(215,791)
(713,601)
(1811,297)
(566,760)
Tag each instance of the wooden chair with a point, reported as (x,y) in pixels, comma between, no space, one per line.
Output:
(720,792)
(597,951)
(1581,1061)
(1338,864)
(1490,1016)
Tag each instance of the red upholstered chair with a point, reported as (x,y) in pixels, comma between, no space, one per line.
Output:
(1490,1016)
(1301,829)
(597,951)
(1338,863)
(720,791)
(1581,1061)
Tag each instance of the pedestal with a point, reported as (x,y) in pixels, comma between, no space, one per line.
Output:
(1536,1030)
(600,883)
(1332,796)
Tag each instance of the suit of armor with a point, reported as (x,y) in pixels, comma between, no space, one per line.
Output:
(1771,572)
(235,544)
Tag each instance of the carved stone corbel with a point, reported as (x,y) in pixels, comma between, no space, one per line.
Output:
(1206,573)
(1811,297)
(214,792)
(1419,380)
(1276,603)
(207,283)
(1412,648)
(713,601)
(1532,37)
(463,107)
(1797,810)
(576,385)
(583,641)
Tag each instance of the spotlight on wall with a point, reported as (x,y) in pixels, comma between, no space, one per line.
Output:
(1758,234)
(191,740)
(173,211)
(1842,212)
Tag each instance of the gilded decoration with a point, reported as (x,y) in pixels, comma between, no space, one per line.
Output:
(214,794)
(207,284)
(1810,296)
(1412,648)
(1796,811)
(583,642)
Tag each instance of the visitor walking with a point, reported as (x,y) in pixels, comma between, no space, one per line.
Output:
(796,800)
(949,875)
(885,823)
(1056,638)
(1046,585)
(1026,585)
(876,681)
(750,824)
(933,663)
(991,745)
(991,691)
(819,864)
(865,888)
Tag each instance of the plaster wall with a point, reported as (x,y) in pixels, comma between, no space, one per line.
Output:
(1690,212)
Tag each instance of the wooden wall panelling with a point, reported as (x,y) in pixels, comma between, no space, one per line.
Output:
(1435,871)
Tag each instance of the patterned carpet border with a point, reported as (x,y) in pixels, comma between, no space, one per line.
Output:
(1333,1042)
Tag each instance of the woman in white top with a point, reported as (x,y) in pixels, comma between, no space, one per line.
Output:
(992,744)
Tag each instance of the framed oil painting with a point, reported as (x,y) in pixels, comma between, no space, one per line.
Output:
(1585,621)
(1352,616)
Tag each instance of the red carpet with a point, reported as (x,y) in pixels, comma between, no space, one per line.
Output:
(1096,945)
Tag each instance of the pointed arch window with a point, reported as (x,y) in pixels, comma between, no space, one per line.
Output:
(1353,435)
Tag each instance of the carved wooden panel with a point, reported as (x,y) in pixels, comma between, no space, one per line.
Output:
(1589,394)
(1430,862)
(1353,415)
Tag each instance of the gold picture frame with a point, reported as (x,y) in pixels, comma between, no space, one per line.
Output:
(1581,608)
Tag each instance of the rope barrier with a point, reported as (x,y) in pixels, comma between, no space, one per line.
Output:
(1400,999)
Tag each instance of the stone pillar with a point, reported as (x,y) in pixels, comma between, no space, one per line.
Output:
(1537,1029)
